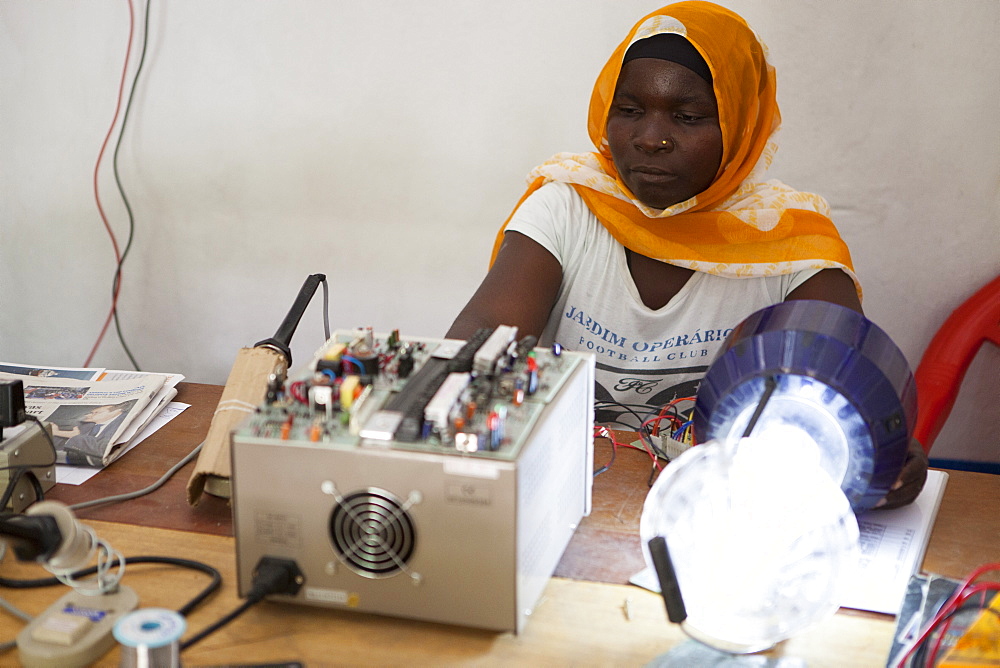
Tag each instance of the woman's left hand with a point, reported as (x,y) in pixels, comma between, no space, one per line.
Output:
(911,479)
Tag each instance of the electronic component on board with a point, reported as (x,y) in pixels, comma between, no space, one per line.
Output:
(411,402)
(495,345)
(439,408)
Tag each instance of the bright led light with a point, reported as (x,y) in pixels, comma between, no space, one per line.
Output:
(786,446)
(759,554)
(807,413)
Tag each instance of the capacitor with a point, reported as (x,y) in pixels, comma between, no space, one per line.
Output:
(532,374)
(492,430)
(349,390)
(405,365)
(369,338)
(509,358)
(370,365)
(496,422)
(392,341)
(274,387)
(334,351)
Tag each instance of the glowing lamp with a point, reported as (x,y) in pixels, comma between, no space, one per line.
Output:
(804,418)
(833,381)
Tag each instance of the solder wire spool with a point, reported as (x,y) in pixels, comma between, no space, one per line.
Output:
(150,638)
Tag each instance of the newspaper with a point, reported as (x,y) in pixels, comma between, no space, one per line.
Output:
(94,412)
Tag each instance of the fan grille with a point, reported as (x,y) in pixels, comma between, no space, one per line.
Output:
(372,533)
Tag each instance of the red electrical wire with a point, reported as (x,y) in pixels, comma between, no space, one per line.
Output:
(961,594)
(616,443)
(966,594)
(603,432)
(97,194)
(675,421)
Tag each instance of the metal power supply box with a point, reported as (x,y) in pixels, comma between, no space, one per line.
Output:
(462,524)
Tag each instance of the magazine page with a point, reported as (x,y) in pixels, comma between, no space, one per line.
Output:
(50,371)
(88,417)
(166,394)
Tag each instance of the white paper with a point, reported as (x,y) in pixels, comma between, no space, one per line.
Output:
(893,543)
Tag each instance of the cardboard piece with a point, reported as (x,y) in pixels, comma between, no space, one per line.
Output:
(244,392)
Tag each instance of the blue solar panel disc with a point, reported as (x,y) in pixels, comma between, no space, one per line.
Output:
(832,366)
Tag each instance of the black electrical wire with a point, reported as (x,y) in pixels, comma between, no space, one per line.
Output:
(186,609)
(116,283)
(271,576)
(239,610)
(770,384)
(652,475)
(614,453)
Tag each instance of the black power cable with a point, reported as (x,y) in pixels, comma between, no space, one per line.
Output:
(186,609)
(271,576)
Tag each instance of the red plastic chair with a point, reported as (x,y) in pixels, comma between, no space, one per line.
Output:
(948,356)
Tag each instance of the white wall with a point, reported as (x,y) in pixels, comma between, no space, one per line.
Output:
(383,142)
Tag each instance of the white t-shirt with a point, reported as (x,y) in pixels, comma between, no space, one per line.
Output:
(646,358)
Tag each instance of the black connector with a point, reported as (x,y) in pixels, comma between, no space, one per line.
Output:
(670,588)
(271,576)
(35,537)
(275,576)
(12,412)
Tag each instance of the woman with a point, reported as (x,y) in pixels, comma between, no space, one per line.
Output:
(649,250)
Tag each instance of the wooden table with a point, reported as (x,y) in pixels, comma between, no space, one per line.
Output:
(581,618)
(576,623)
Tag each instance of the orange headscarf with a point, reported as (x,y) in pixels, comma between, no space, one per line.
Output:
(741,226)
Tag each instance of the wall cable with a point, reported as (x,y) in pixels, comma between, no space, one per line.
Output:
(120,256)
